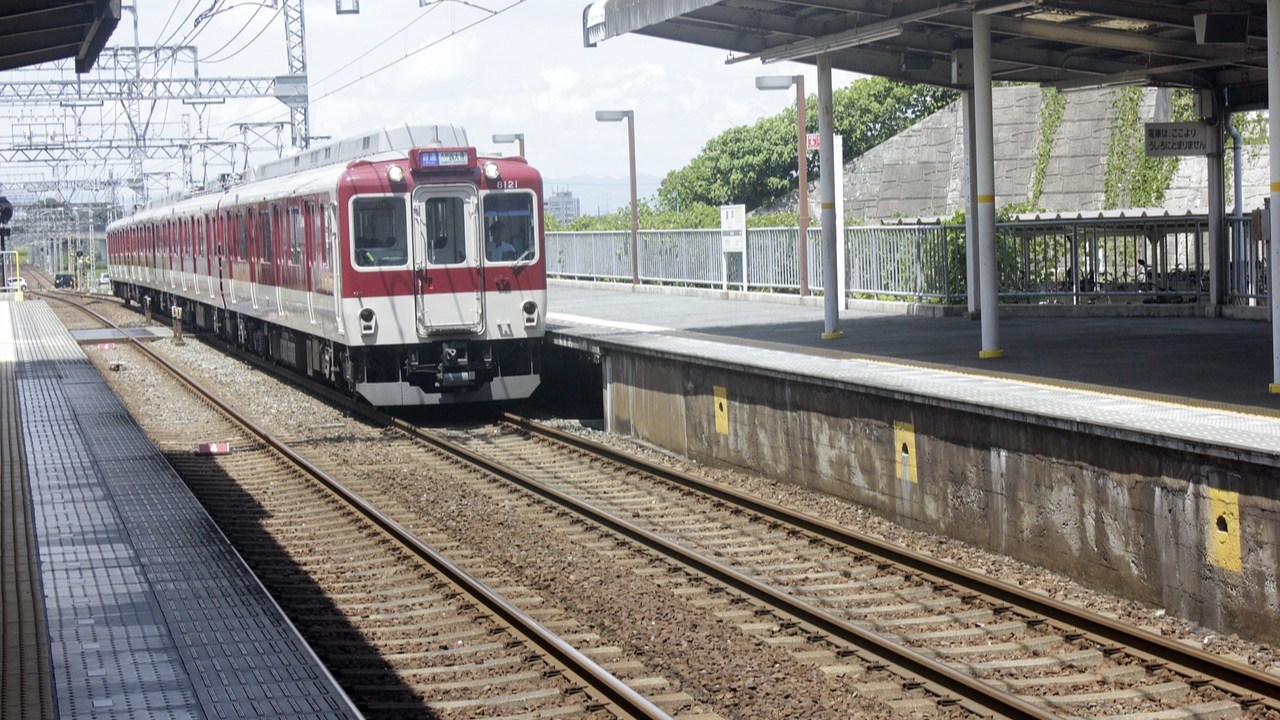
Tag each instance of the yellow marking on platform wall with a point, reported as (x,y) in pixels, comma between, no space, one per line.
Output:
(722,409)
(904,450)
(1224,530)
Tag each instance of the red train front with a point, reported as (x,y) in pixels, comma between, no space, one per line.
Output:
(398,265)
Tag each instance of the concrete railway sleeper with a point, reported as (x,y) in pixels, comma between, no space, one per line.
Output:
(964,620)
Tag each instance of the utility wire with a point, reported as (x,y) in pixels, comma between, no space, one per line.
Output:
(256,10)
(411,53)
(360,56)
(195,6)
(247,45)
(279,114)
(172,12)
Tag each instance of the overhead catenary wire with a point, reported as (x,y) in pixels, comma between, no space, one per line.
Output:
(115,119)
(411,53)
(239,32)
(281,114)
(361,55)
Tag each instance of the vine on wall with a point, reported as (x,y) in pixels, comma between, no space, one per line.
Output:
(1053,106)
(1132,178)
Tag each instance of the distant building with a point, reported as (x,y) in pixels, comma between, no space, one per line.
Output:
(562,206)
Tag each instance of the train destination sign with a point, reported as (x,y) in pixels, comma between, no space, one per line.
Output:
(443,158)
(1177,138)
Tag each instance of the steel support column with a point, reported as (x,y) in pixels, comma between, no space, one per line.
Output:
(1273,127)
(972,276)
(1217,195)
(984,141)
(831,300)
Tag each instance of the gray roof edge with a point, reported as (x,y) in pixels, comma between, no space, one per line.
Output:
(606,19)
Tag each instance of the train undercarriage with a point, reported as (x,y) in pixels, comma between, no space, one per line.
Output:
(439,372)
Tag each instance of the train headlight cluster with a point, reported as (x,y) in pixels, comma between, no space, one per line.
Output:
(491,171)
(368,321)
(530,310)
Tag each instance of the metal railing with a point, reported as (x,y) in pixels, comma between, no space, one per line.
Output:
(1164,258)
(1161,258)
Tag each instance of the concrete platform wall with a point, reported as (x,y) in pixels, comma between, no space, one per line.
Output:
(1193,530)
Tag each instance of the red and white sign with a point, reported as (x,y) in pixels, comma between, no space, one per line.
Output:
(812,141)
(106,346)
(214,448)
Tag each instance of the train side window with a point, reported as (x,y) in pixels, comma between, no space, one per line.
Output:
(380,232)
(443,222)
(296,234)
(265,236)
(242,236)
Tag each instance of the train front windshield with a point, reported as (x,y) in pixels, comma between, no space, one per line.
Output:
(381,236)
(511,232)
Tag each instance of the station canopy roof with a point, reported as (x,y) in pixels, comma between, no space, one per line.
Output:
(36,31)
(1217,44)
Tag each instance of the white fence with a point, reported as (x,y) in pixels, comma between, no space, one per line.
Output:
(1149,259)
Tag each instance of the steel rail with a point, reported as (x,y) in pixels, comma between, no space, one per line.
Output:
(1249,685)
(940,679)
(624,699)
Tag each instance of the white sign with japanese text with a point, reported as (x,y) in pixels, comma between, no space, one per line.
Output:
(733,228)
(1180,138)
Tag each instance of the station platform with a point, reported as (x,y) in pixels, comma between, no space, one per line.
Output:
(1198,379)
(1136,455)
(121,598)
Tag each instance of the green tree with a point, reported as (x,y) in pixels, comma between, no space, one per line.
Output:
(649,217)
(756,164)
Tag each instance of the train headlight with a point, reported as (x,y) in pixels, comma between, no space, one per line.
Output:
(368,321)
(530,310)
(395,174)
(491,171)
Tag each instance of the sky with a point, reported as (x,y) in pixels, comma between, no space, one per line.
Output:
(522,69)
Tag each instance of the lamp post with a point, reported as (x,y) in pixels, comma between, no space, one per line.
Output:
(629,116)
(511,138)
(783,82)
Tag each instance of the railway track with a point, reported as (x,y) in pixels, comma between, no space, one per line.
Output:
(406,631)
(922,637)
(1055,657)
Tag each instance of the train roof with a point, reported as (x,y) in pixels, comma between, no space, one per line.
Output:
(399,138)
(317,169)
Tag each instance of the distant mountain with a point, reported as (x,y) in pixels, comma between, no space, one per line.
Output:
(602,195)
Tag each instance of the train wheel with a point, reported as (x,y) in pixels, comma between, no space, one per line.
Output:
(348,370)
(326,362)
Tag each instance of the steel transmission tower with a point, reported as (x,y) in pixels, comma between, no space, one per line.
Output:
(298,101)
(131,77)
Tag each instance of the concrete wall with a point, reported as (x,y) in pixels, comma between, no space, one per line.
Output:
(920,172)
(1137,517)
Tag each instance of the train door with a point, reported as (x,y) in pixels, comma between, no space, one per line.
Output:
(255,256)
(241,269)
(206,249)
(313,252)
(280,248)
(185,253)
(446,259)
(171,243)
(332,244)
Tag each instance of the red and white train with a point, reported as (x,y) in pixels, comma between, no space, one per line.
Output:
(397,265)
